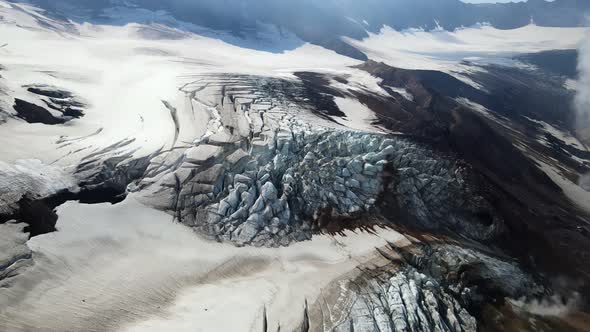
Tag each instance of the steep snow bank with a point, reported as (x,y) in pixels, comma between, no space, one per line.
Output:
(444,50)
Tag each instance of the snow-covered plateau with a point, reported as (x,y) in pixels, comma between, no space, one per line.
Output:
(155,177)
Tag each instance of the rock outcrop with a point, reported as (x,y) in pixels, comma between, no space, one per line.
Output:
(62,106)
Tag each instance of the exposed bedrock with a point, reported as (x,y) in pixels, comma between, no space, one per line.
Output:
(35,114)
(62,106)
(61,101)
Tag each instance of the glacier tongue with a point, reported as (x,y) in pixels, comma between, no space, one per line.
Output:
(264,172)
(269,171)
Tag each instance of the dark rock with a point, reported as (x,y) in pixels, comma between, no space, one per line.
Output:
(38,215)
(49,92)
(35,114)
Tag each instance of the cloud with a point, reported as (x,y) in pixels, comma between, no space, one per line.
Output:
(582,101)
(554,306)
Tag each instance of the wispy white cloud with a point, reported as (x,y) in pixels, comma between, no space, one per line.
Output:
(582,100)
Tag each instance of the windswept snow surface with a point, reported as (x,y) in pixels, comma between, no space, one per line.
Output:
(130,268)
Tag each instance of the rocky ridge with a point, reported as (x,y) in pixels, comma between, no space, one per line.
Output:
(62,106)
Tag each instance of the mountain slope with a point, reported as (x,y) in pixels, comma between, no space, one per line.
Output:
(161,177)
(324,23)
